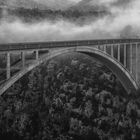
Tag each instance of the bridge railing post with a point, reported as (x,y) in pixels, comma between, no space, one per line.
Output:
(8,69)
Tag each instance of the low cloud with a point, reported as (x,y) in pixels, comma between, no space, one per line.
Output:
(121,23)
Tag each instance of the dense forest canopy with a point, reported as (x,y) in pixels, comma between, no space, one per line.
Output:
(69,98)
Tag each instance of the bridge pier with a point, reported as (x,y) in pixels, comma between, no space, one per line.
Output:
(125,55)
(136,61)
(112,50)
(36,54)
(119,52)
(138,64)
(105,47)
(8,69)
(23,58)
(131,59)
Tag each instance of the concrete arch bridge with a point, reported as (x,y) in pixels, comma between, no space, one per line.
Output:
(121,56)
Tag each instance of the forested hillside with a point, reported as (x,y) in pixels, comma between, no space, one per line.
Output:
(70,97)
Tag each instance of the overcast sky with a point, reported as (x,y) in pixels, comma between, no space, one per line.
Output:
(124,20)
(60,4)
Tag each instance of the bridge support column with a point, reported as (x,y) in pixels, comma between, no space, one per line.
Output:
(118,48)
(36,55)
(125,55)
(23,58)
(105,48)
(138,64)
(112,50)
(136,61)
(131,59)
(8,71)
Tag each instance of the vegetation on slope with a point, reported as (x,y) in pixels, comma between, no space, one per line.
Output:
(69,98)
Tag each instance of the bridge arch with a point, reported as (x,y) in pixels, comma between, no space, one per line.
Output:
(122,74)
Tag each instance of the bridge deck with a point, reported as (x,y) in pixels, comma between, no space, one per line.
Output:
(54,44)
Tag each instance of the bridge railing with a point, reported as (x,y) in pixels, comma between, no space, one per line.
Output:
(54,44)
